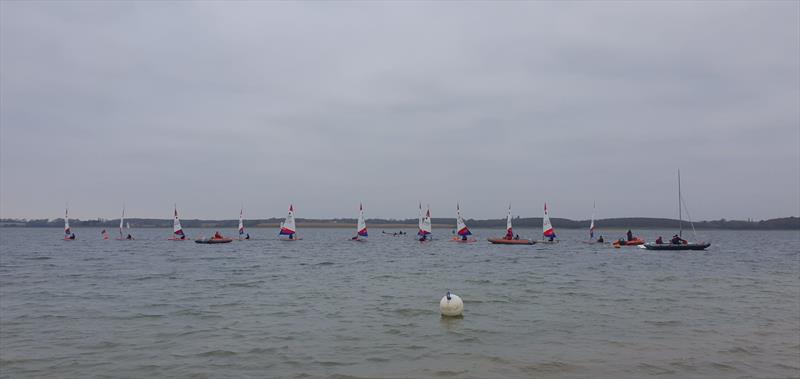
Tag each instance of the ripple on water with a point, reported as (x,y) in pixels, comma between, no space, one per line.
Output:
(217,353)
(414,312)
(550,368)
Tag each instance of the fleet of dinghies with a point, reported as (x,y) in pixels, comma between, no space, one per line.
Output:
(288,230)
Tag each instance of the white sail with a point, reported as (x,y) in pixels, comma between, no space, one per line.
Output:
(547,227)
(241,223)
(419,222)
(509,229)
(288,226)
(121,222)
(361,229)
(176,224)
(426,227)
(461,226)
(67,230)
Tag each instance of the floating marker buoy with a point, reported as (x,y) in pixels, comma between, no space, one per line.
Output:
(451,305)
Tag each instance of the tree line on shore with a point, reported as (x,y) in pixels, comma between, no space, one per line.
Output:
(784,223)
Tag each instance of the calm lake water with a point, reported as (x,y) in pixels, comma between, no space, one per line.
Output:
(328,307)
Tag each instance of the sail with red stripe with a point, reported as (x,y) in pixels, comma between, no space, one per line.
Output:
(177,230)
(288,227)
(362,223)
(547,227)
(425,226)
(461,226)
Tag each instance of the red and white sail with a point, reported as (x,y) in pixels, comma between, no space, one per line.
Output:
(241,223)
(288,227)
(67,230)
(461,226)
(425,227)
(547,227)
(177,230)
(591,225)
(361,229)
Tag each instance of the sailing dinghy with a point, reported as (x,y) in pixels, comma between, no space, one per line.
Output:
(177,230)
(68,234)
(510,238)
(242,234)
(547,228)
(288,227)
(425,232)
(679,243)
(461,228)
(591,231)
(361,227)
(122,236)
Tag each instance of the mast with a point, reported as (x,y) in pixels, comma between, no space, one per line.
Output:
(680,206)
(591,224)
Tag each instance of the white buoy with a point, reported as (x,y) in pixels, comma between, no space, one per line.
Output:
(451,305)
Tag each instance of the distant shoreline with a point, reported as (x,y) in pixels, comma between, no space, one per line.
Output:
(785,223)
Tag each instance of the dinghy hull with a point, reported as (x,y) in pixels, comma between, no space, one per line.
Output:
(676,247)
(214,240)
(503,241)
(634,242)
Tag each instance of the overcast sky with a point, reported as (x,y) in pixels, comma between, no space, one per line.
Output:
(325,105)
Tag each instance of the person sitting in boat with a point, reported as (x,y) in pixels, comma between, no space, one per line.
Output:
(676,240)
(630,235)
(659,240)
(218,236)
(600,239)
(551,237)
(72,236)
(129,237)
(291,236)
(247,237)
(354,238)
(516,237)
(464,238)
(183,237)
(509,235)
(621,242)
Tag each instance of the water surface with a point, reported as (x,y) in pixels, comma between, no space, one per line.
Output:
(328,307)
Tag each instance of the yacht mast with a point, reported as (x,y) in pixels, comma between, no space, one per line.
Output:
(680,207)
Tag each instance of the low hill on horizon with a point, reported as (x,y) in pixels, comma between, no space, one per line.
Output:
(783,223)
